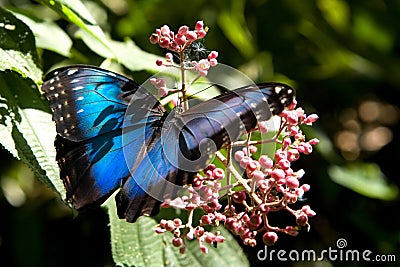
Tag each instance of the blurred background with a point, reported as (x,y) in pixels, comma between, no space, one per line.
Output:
(342,57)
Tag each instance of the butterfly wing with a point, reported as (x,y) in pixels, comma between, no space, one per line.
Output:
(214,124)
(178,151)
(89,106)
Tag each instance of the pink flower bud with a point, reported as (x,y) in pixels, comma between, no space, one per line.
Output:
(284,164)
(252,166)
(162,91)
(202,67)
(302,219)
(305,187)
(293,154)
(292,182)
(300,112)
(183,30)
(291,117)
(213,54)
(263,126)
(314,141)
(177,222)
(213,62)
(270,238)
(177,241)
(300,173)
(239,196)
(245,161)
(198,231)
(278,174)
(181,40)
(154,38)
(263,185)
(201,34)
(169,57)
(173,45)
(239,155)
(165,30)
(204,249)
(164,42)
(218,173)
(310,119)
(205,220)
(265,162)
(299,192)
(209,237)
(308,211)
(191,36)
(307,148)
(254,222)
(286,143)
(199,25)
(159,62)
(291,231)
(220,217)
(253,149)
(219,239)
(294,130)
(169,226)
(257,176)
(280,154)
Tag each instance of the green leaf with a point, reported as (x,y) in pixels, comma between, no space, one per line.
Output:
(126,53)
(26,128)
(17,47)
(365,179)
(76,12)
(134,244)
(137,244)
(48,35)
(233,23)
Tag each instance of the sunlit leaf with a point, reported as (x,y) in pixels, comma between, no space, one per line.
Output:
(49,35)
(137,244)
(17,47)
(336,12)
(233,23)
(26,128)
(369,31)
(76,12)
(364,178)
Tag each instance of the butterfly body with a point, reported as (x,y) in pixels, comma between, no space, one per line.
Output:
(112,133)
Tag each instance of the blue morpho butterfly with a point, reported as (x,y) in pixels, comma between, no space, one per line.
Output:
(113,133)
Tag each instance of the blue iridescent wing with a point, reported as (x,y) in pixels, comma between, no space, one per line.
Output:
(222,120)
(89,106)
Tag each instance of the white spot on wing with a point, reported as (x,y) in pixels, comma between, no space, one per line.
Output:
(72,71)
(80,111)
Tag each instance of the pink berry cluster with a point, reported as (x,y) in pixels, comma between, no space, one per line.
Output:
(203,194)
(178,43)
(271,185)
